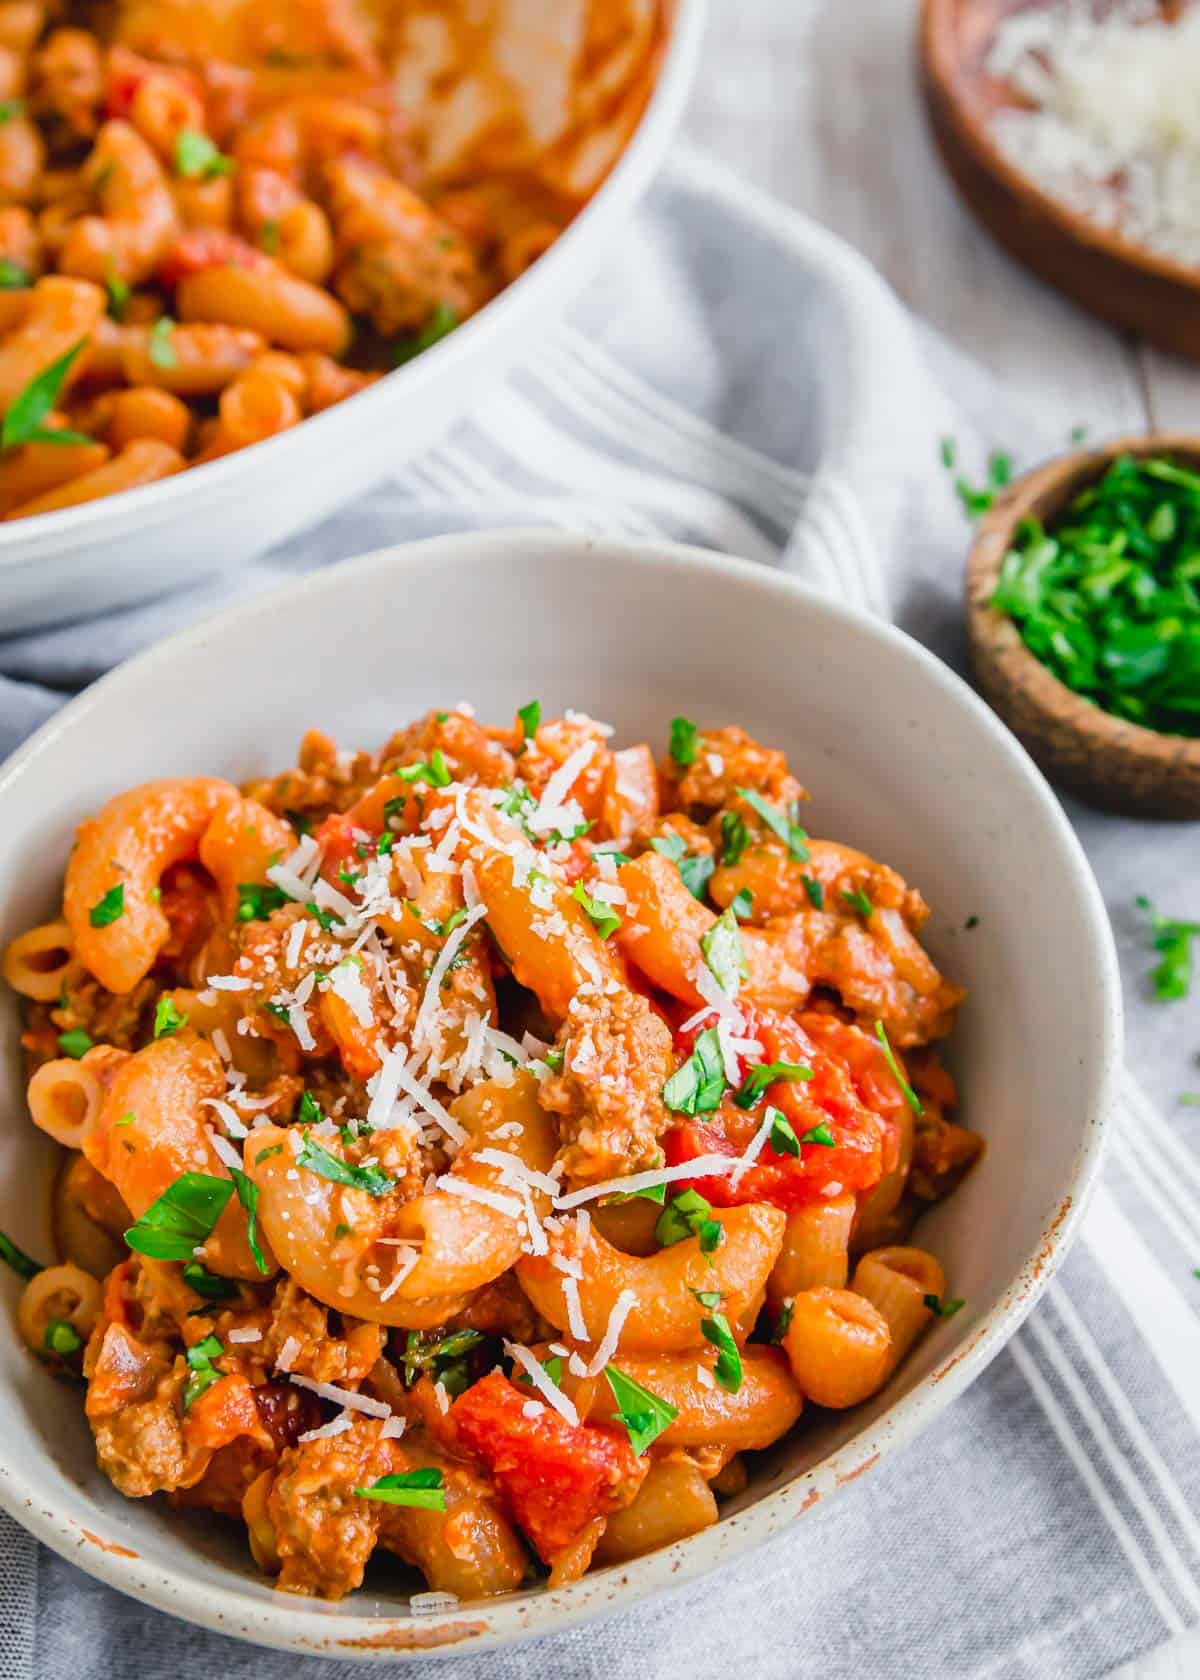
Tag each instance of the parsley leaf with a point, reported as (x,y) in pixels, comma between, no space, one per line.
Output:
(819,1134)
(23,1264)
(159,347)
(257,899)
(910,1096)
(23,421)
(440,323)
(696,871)
(530,717)
(208,1284)
(1173,940)
(435,771)
(652,1193)
(815,891)
(75,1043)
(944,1308)
(197,158)
(858,900)
(202,1372)
(728,1368)
(444,1358)
(182,1218)
(783,1134)
(735,837)
(782,826)
(603,917)
(247,1195)
(688,1215)
(724,953)
(765,1074)
(110,908)
(644,1414)
(426,1489)
(371,1179)
(697,1085)
(685,738)
(742,904)
(167,1019)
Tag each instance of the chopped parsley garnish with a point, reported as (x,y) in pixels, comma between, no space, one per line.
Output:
(944,1308)
(724,952)
(688,1215)
(782,825)
(971,922)
(735,837)
(783,1134)
(444,1358)
(23,421)
(435,771)
(651,1193)
(554,1060)
(530,717)
(110,908)
(819,1134)
(742,904)
(910,1096)
(977,499)
(257,899)
(197,158)
(602,916)
(385,843)
(206,1283)
(159,346)
(697,1085)
(1172,977)
(728,1368)
(119,293)
(710,1298)
(696,871)
(182,1218)
(426,1489)
(247,1195)
(202,1373)
(20,1262)
(279,1012)
(61,1338)
(766,1074)
(644,1414)
(371,1179)
(325,919)
(167,1019)
(266,1154)
(443,321)
(815,891)
(13,277)
(858,900)
(10,109)
(685,741)
(75,1043)
(1106,595)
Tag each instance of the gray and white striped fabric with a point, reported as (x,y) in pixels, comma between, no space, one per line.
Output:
(757,388)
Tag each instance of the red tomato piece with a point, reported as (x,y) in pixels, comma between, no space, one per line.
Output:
(555,1477)
(189,902)
(201,248)
(338,839)
(840,1097)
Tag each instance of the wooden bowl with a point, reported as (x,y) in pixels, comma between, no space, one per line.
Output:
(1105,760)
(1109,275)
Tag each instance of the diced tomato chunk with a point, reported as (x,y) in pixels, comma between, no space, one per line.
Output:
(852,1096)
(555,1477)
(201,248)
(224,1413)
(338,838)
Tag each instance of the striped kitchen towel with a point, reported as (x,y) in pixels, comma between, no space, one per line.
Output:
(758,389)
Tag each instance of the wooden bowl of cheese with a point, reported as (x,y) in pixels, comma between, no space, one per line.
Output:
(1073,133)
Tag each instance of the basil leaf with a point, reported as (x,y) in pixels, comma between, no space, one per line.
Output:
(815,891)
(424,1489)
(724,953)
(819,1134)
(858,900)
(530,717)
(443,321)
(783,1134)
(75,1043)
(602,916)
(735,837)
(202,1372)
(167,1018)
(910,1096)
(685,738)
(742,904)
(645,1415)
(197,158)
(688,1215)
(182,1218)
(766,1074)
(247,1195)
(208,1284)
(728,1368)
(257,899)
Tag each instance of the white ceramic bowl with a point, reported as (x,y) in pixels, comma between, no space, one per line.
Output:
(128,547)
(902,759)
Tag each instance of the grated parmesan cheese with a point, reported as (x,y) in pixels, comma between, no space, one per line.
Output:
(343,1397)
(541,1380)
(704,1166)
(621,1309)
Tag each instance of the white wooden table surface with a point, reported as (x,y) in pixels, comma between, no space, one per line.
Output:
(817,101)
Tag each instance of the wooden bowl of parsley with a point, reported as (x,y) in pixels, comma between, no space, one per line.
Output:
(1083,610)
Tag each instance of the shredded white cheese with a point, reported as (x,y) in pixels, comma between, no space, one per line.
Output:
(343,1397)
(704,1166)
(622,1307)
(540,1378)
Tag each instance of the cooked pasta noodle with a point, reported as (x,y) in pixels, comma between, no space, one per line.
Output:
(450,1128)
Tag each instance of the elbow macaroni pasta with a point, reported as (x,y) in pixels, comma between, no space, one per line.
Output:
(411,1133)
(183,200)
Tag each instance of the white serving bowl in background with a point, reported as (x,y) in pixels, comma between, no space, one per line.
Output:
(901,759)
(128,547)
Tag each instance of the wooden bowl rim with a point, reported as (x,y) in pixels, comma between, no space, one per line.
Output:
(996,637)
(943,72)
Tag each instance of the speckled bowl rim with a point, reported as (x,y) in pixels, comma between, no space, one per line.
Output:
(296,1625)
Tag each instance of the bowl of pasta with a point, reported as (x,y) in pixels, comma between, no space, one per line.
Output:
(255,254)
(537,1141)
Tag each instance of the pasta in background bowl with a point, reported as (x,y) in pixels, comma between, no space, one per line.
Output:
(876,729)
(280,242)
